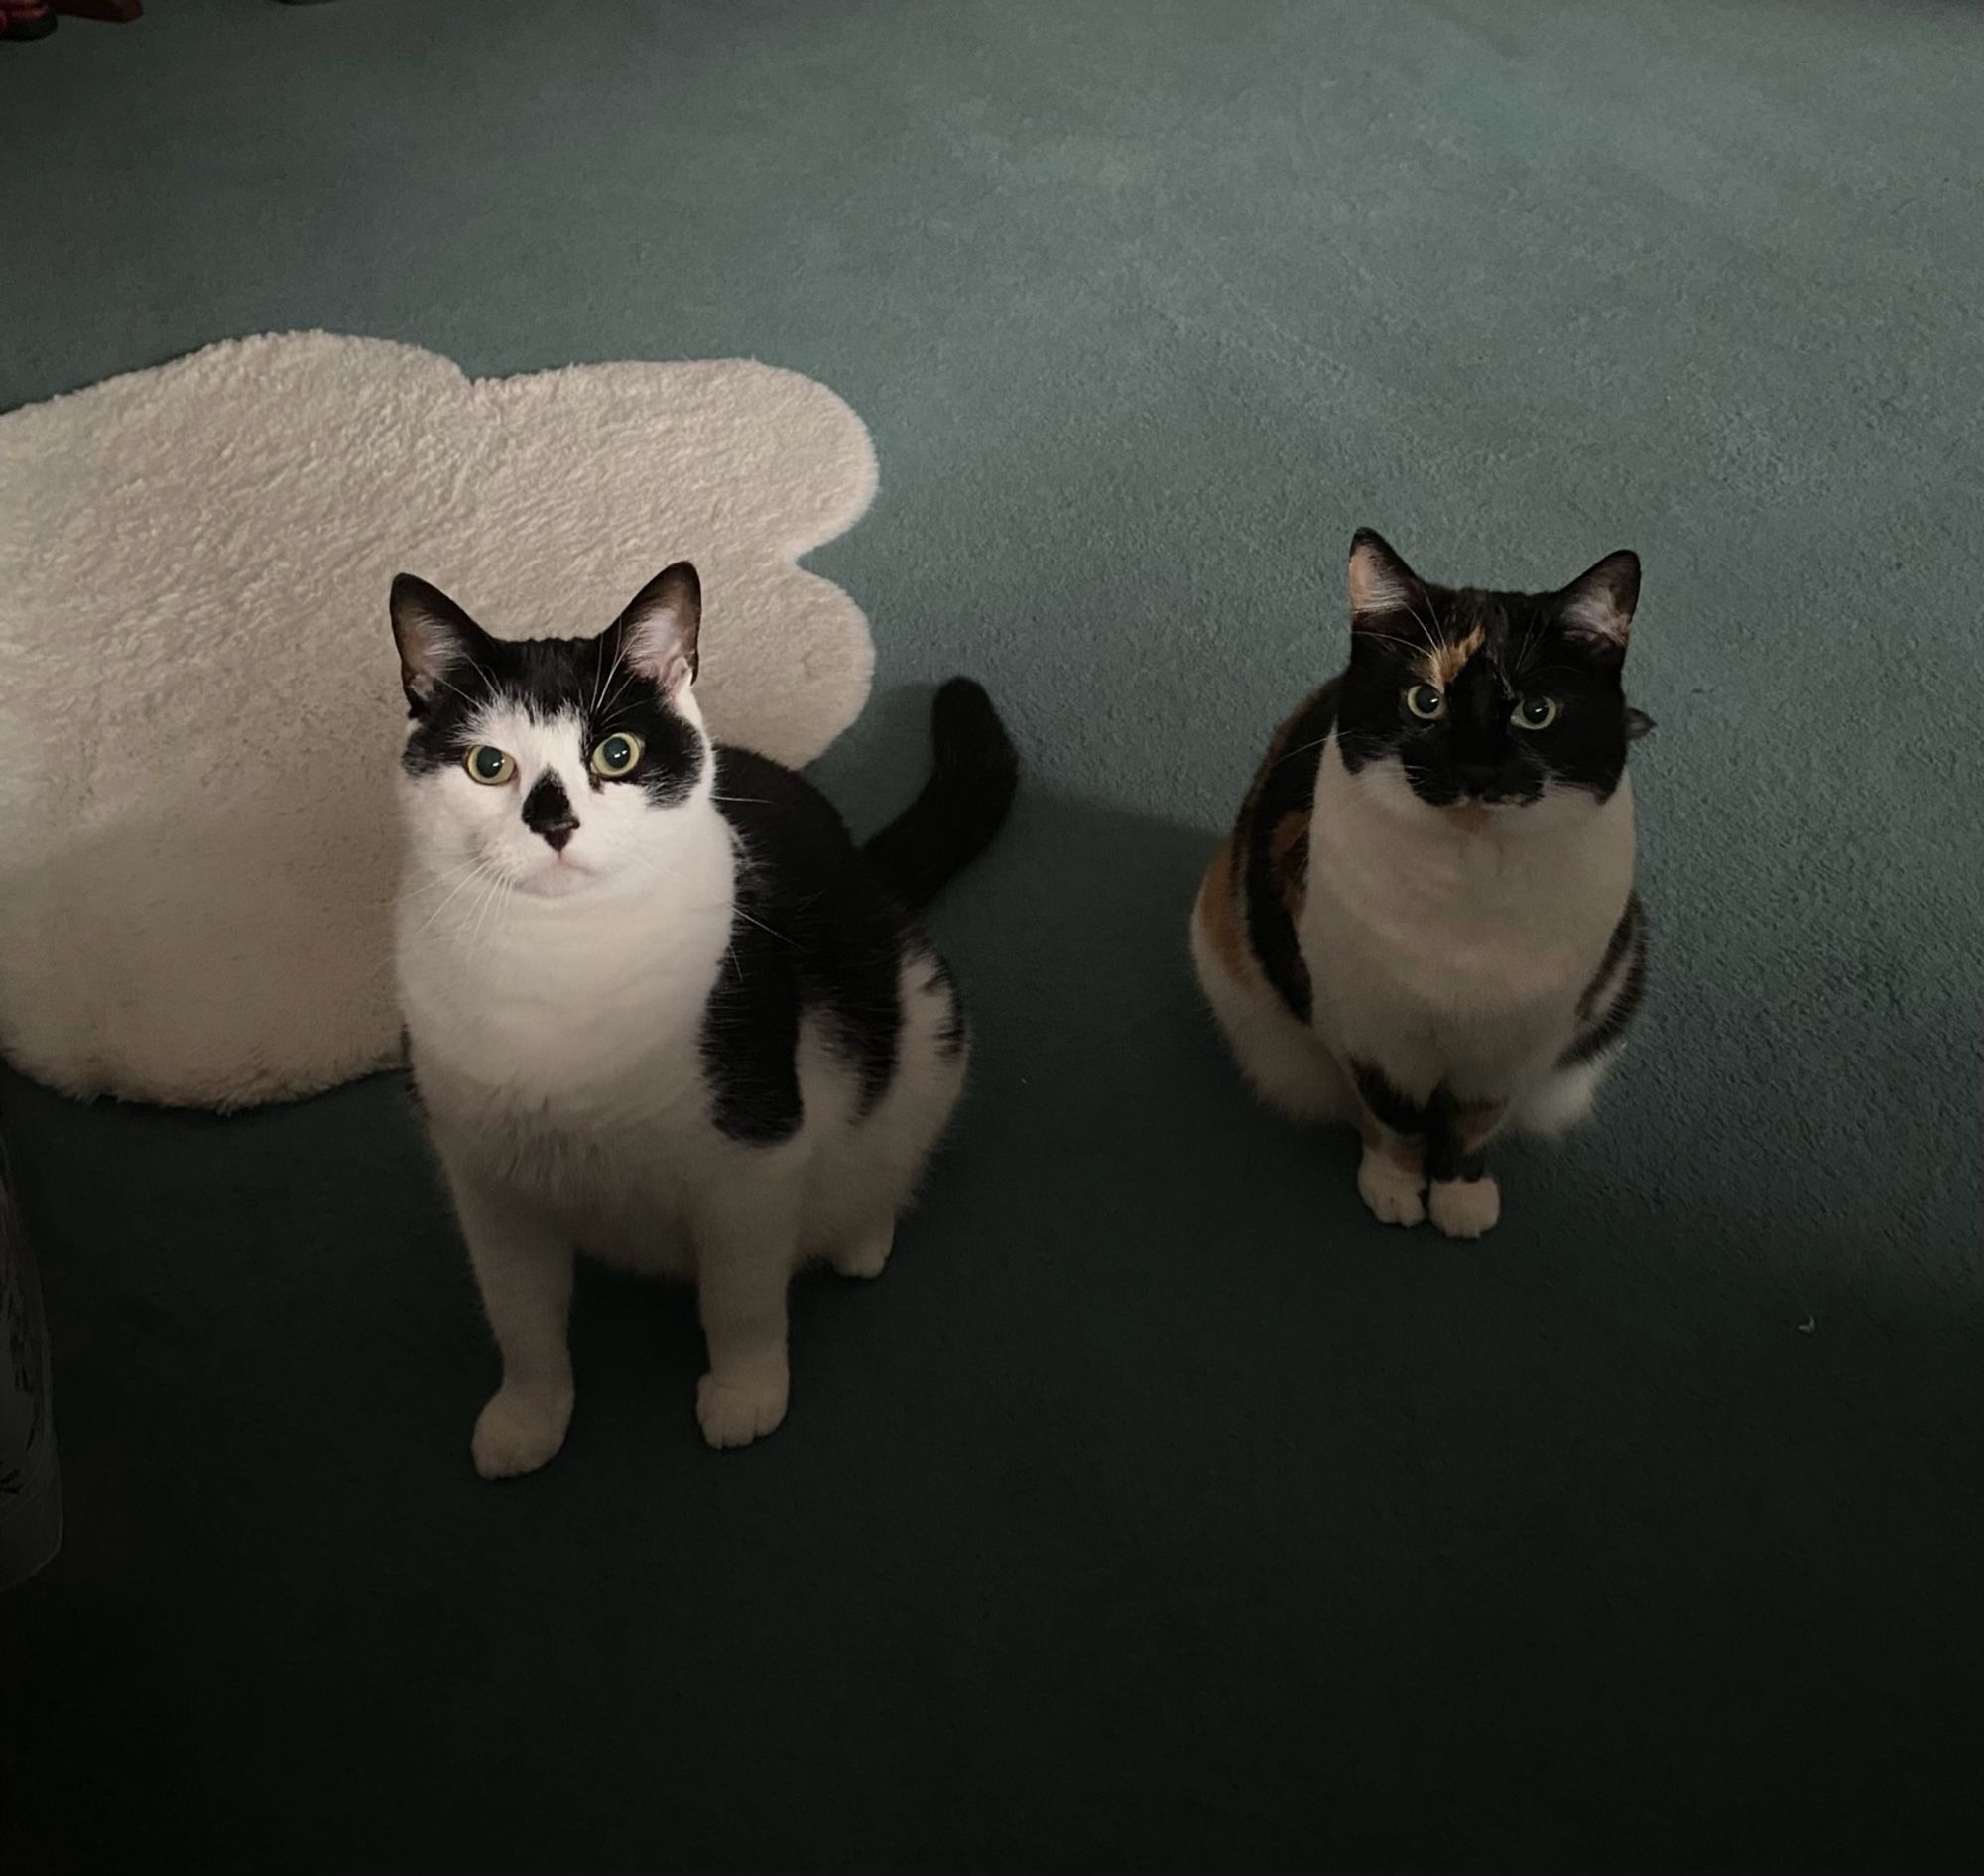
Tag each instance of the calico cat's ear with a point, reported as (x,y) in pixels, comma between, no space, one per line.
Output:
(657,632)
(434,635)
(1380,580)
(1598,604)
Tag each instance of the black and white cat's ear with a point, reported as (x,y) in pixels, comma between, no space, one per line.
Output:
(658,631)
(1380,580)
(1598,604)
(434,635)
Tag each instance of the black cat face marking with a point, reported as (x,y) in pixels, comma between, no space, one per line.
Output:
(544,759)
(1488,698)
(547,812)
(626,679)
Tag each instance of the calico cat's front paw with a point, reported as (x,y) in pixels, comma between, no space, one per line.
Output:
(520,1430)
(1465,1207)
(742,1404)
(1392,1190)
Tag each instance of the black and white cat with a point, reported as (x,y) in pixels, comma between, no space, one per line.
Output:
(658,1003)
(1423,922)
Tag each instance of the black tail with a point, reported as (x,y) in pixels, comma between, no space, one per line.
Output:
(961,807)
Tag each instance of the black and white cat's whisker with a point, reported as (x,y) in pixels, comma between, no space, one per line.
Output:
(609,668)
(468,876)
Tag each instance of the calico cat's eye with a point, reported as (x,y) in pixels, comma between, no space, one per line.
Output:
(1535,713)
(488,765)
(1425,702)
(616,756)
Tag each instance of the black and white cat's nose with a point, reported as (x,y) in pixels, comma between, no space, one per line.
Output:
(547,812)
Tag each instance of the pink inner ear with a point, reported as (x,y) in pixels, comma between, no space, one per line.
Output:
(655,647)
(1377,583)
(1599,614)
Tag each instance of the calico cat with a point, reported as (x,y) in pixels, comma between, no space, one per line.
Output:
(1423,922)
(658,1003)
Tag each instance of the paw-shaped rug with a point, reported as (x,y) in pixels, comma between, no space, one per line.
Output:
(199,700)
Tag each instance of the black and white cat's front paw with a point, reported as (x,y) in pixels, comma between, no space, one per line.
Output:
(1464,1207)
(519,1429)
(742,1403)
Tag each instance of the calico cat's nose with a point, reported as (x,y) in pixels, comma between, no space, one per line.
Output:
(548,813)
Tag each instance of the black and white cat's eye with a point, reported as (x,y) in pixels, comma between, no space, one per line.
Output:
(1425,702)
(488,765)
(1534,712)
(615,756)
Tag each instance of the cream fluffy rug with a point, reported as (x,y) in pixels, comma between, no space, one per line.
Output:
(200,704)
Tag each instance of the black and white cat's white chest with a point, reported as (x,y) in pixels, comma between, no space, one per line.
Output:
(580,1015)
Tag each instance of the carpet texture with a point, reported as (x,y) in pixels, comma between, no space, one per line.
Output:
(1157,1510)
(203,705)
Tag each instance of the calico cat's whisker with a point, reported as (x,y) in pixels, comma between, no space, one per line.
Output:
(1429,627)
(1303,750)
(1392,638)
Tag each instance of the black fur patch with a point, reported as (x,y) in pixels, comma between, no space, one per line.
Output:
(1444,1157)
(1437,1124)
(1613,997)
(952,1033)
(548,807)
(1396,1110)
(813,931)
(1284,785)
(1522,647)
(973,775)
(546,677)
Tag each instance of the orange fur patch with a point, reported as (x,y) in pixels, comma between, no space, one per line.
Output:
(1445,665)
(1288,853)
(1406,1150)
(1219,911)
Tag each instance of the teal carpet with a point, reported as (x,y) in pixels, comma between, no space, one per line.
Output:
(1157,1510)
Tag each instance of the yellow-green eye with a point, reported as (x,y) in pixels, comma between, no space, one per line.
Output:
(1535,713)
(616,756)
(1425,702)
(489,766)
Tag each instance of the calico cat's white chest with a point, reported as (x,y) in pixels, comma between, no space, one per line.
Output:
(1455,949)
